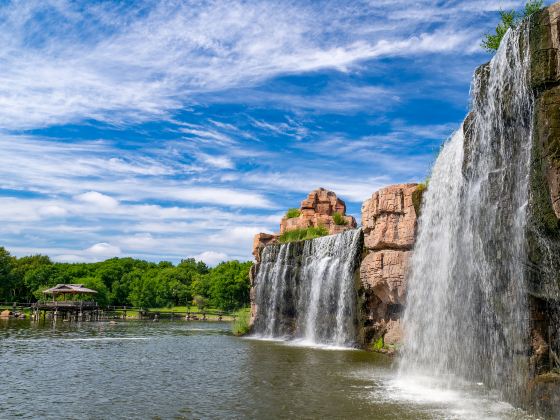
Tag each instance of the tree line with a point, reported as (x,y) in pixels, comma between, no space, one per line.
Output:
(129,281)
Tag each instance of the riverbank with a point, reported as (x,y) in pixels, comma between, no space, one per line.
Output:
(190,313)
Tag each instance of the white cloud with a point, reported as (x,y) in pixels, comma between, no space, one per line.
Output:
(221,162)
(140,62)
(52,211)
(97,199)
(139,242)
(70,258)
(211,257)
(103,249)
(219,196)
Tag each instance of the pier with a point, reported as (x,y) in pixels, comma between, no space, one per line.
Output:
(75,309)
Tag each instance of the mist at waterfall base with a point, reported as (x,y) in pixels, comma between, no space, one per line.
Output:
(305,291)
(466,318)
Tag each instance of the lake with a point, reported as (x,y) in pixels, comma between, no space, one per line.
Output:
(191,370)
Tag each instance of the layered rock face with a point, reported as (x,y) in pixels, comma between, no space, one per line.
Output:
(389,220)
(317,210)
(543,230)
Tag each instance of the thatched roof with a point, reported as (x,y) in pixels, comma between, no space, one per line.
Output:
(68,288)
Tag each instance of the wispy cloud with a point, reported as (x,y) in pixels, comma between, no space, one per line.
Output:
(169,129)
(65,62)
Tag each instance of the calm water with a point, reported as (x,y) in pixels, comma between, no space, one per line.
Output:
(180,370)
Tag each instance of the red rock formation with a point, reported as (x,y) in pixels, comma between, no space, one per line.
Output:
(389,223)
(385,273)
(389,218)
(317,210)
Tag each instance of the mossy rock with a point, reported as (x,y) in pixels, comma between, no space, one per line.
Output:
(417,197)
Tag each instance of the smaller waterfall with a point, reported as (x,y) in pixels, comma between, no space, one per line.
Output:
(305,290)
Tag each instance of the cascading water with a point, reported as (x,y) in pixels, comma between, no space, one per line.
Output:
(466,313)
(305,290)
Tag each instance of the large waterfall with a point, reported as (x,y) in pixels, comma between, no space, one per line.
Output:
(305,290)
(466,315)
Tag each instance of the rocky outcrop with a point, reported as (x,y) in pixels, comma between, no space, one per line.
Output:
(318,210)
(389,220)
(260,241)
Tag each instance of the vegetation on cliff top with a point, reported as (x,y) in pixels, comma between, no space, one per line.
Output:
(509,19)
(339,219)
(303,234)
(130,282)
(292,213)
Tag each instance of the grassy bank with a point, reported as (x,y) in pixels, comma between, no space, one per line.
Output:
(241,324)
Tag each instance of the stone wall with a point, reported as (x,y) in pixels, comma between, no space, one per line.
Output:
(389,220)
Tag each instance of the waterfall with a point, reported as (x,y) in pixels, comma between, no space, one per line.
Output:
(466,314)
(305,290)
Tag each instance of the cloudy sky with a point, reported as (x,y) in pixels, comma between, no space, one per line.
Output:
(173,129)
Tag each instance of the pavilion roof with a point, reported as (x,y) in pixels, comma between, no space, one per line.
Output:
(68,288)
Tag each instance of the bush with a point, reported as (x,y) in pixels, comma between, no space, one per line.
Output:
(339,219)
(241,324)
(509,19)
(303,234)
(417,196)
(293,213)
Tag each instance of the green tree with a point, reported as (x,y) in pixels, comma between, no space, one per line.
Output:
(201,302)
(8,287)
(509,19)
(229,285)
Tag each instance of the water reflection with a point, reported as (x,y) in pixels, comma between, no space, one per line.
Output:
(197,370)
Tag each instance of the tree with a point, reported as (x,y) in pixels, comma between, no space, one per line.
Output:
(7,283)
(509,19)
(201,302)
(229,285)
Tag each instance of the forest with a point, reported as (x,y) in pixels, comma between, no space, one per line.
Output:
(129,281)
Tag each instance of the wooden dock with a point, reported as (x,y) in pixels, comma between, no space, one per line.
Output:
(81,310)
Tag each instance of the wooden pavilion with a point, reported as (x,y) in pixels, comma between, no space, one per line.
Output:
(68,309)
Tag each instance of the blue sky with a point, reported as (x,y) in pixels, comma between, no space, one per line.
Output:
(173,129)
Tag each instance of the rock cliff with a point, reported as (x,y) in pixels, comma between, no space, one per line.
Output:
(389,220)
(543,230)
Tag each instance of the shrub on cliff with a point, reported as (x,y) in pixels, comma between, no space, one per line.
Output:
(292,213)
(303,234)
(339,219)
(509,19)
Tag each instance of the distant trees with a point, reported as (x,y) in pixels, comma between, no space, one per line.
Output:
(509,19)
(128,281)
